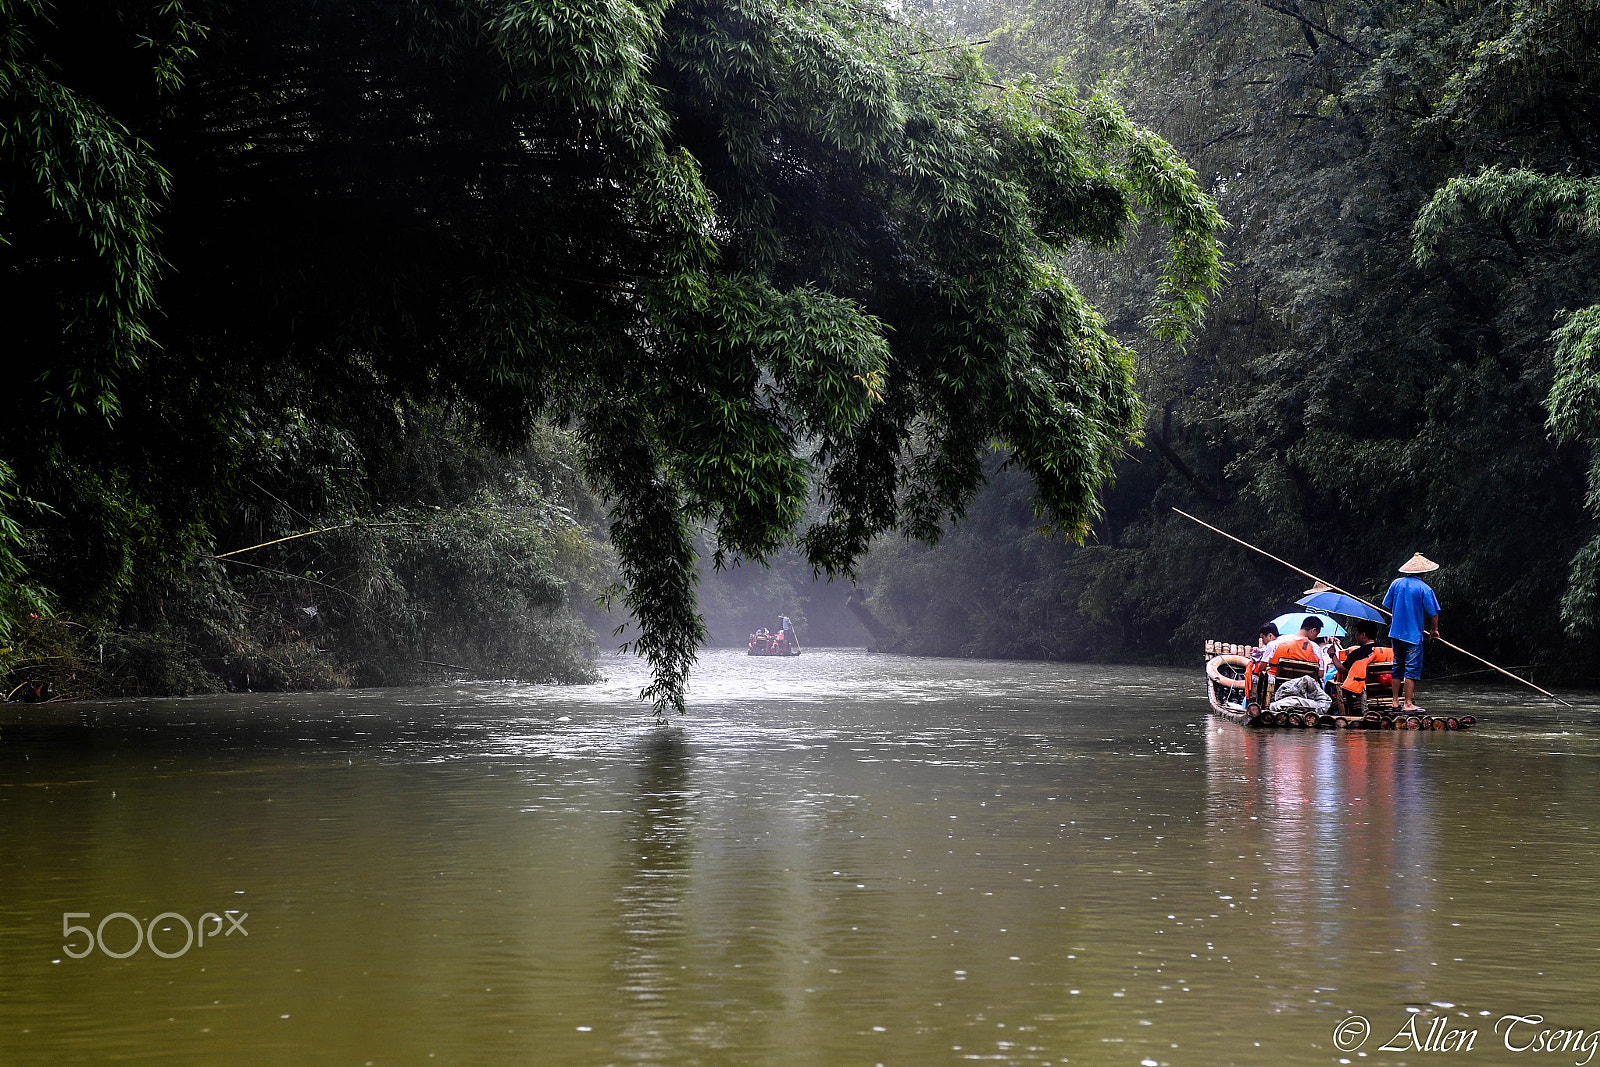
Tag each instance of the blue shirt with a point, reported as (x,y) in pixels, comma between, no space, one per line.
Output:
(1412,601)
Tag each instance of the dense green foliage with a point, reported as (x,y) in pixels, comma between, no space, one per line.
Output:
(754,254)
(1346,403)
(1549,222)
(481,572)
(1575,416)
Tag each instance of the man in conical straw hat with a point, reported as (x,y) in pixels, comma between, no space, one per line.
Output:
(1415,613)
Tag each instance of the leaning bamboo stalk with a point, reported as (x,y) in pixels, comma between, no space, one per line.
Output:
(310,533)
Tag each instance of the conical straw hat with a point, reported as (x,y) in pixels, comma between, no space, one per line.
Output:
(1418,564)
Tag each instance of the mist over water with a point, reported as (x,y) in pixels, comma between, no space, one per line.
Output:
(841,858)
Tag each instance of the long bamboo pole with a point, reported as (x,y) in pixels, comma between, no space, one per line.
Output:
(281,540)
(1374,607)
(309,533)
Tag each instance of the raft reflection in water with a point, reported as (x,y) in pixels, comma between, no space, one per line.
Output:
(1342,831)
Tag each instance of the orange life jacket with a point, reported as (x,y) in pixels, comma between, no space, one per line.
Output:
(1296,648)
(1382,656)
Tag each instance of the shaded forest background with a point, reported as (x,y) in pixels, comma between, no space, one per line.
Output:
(1401,359)
(1366,386)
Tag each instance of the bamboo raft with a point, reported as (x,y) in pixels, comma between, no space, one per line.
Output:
(1225,692)
(762,644)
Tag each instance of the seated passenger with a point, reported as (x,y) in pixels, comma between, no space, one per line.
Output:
(1352,676)
(1301,649)
(1269,634)
(1330,650)
(1255,673)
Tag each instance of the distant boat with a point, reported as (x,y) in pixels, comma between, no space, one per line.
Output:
(1226,693)
(778,644)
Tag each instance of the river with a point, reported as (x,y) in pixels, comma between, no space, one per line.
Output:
(838,859)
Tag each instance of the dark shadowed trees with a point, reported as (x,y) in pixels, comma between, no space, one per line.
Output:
(748,251)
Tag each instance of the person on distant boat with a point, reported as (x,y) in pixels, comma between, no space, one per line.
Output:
(1352,673)
(1415,609)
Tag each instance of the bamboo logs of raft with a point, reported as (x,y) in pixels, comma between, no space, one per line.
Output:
(1370,721)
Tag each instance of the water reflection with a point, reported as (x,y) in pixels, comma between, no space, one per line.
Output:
(1340,830)
(657,844)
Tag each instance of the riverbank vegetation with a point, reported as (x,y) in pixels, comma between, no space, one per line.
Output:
(436,558)
(279,267)
(1403,359)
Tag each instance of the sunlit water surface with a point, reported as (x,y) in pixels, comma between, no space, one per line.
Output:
(837,859)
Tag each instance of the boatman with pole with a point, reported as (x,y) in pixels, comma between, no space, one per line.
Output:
(1415,612)
(1427,566)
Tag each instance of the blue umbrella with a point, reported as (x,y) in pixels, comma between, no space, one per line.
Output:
(1289,623)
(1339,604)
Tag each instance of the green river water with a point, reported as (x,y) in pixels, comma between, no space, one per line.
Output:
(837,859)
